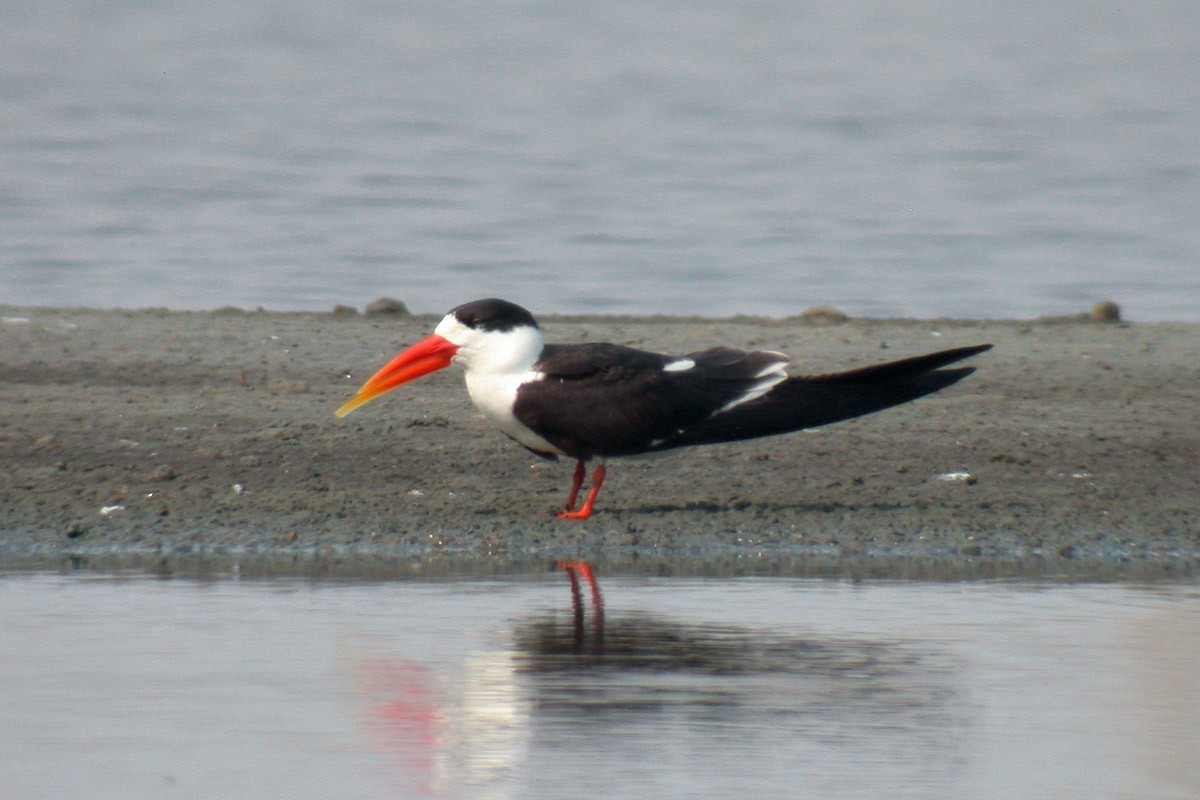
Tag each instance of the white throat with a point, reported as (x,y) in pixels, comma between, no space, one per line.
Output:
(496,364)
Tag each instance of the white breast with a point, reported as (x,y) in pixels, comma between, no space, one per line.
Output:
(495,395)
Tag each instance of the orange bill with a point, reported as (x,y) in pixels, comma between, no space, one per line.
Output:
(422,358)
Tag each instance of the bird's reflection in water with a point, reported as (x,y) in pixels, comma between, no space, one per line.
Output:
(639,663)
(448,735)
(676,696)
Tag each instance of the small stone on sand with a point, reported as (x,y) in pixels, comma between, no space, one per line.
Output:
(161,473)
(387,305)
(823,315)
(1105,311)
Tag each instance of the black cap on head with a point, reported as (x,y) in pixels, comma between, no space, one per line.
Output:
(493,314)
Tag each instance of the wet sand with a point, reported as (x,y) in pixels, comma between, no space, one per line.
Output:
(205,442)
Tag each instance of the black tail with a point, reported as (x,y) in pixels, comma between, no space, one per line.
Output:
(811,401)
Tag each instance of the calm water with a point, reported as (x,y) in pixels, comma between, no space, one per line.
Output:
(118,688)
(919,157)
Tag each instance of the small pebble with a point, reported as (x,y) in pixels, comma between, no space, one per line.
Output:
(387,305)
(1105,311)
(823,315)
(957,477)
(161,473)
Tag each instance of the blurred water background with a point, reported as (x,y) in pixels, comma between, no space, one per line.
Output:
(918,157)
(439,690)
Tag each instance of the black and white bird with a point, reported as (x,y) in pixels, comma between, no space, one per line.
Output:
(600,401)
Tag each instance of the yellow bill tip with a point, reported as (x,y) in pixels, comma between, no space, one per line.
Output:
(350,405)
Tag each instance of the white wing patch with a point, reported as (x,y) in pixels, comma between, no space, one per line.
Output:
(680,365)
(766,380)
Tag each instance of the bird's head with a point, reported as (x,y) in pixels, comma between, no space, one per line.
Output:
(489,336)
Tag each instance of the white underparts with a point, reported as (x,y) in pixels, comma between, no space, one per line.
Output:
(495,395)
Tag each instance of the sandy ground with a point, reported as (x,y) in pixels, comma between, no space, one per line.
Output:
(206,442)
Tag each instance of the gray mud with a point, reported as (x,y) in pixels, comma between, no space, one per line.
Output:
(206,442)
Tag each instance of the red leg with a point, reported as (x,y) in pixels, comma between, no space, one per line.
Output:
(586,511)
(576,482)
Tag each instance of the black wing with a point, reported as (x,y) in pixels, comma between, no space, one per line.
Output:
(808,402)
(609,400)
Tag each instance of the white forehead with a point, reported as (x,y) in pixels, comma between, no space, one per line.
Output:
(454,331)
